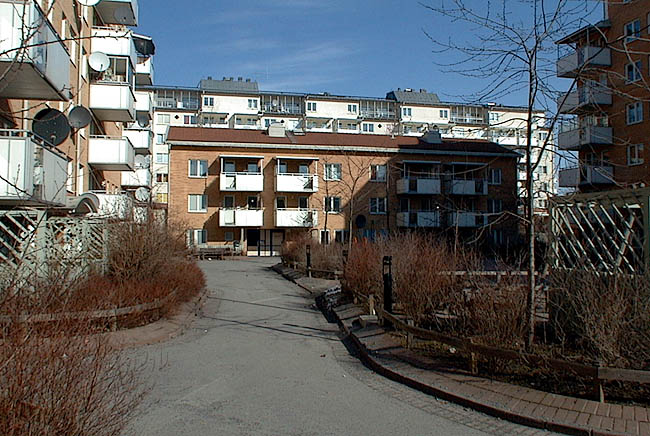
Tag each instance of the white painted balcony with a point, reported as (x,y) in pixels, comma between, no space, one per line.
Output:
(112,101)
(286,182)
(114,42)
(241,182)
(31,172)
(111,153)
(142,139)
(420,185)
(241,217)
(144,104)
(138,178)
(585,97)
(589,56)
(40,71)
(467,219)
(467,187)
(577,137)
(144,71)
(424,219)
(118,11)
(114,205)
(296,218)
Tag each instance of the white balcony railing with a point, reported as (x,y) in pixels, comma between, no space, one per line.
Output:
(418,219)
(428,186)
(242,182)
(568,66)
(241,217)
(142,139)
(41,69)
(114,42)
(138,178)
(584,96)
(144,71)
(467,187)
(467,219)
(118,11)
(112,101)
(296,217)
(144,104)
(114,205)
(111,153)
(286,182)
(580,136)
(30,170)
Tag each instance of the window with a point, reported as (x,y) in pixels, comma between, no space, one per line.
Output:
(635,154)
(198,168)
(162,158)
(229,167)
(333,204)
(544,169)
(311,106)
(303,169)
(368,127)
(161,197)
(208,101)
(252,103)
(197,203)
(378,173)
(160,138)
(303,203)
(632,30)
(406,111)
(378,205)
(253,202)
(281,202)
(324,236)
(633,72)
(341,236)
(494,176)
(352,108)
(494,205)
(189,119)
(444,113)
(494,117)
(253,167)
(162,177)
(332,171)
(198,236)
(163,118)
(229,236)
(634,113)
(542,136)
(228,202)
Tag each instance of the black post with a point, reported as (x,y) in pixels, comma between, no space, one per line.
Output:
(308,252)
(345,256)
(388,287)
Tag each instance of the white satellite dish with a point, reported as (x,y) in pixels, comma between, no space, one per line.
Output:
(142,194)
(123,15)
(99,61)
(143,120)
(141,161)
(89,2)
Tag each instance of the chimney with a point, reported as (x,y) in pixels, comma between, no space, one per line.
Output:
(209,77)
(231,79)
(248,80)
(422,90)
(239,79)
(224,78)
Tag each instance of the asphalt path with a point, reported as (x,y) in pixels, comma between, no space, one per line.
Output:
(260,360)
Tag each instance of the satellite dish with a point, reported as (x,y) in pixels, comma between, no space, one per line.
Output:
(89,2)
(142,194)
(99,62)
(51,125)
(360,221)
(141,161)
(79,117)
(143,120)
(123,15)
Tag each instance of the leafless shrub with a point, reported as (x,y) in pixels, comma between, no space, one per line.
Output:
(326,257)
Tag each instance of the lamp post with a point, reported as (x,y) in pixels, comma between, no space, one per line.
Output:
(388,287)
(308,255)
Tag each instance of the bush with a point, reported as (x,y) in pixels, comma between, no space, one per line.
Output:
(326,257)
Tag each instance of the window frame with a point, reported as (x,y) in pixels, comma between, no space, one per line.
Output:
(329,205)
(378,202)
(327,173)
(204,203)
(633,69)
(638,111)
(629,37)
(491,179)
(374,173)
(162,161)
(638,155)
(199,174)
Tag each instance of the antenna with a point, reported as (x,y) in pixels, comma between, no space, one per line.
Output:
(79,117)
(99,61)
(51,125)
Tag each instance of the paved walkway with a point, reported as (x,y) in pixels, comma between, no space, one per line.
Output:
(260,360)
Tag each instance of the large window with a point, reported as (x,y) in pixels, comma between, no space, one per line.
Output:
(378,173)
(197,203)
(633,71)
(634,113)
(198,168)
(163,118)
(635,154)
(333,171)
(632,30)
(494,176)
(252,103)
(162,158)
(368,127)
(333,204)
(378,205)
(198,236)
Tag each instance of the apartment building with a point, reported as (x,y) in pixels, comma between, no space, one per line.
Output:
(74,129)
(258,187)
(232,103)
(607,110)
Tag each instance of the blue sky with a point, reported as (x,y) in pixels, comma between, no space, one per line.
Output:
(348,47)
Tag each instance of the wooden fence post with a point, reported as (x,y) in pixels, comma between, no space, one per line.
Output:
(371,304)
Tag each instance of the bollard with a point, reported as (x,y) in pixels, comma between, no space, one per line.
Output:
(308,253)
(388,287)
(345,256)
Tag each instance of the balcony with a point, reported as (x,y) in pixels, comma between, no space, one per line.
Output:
(569,65)
(114,205)
(424,219)
(141,139)
(296,183)
(467,187)
(39,72)
(114,42)
(586,175)
(118,12)
(144,71)
(111,153)
(31,172)
(112,101)
(241,217)
(296,218)
(467,219)
(426,186)
(584,99)
(136,179)
(242,182)
(143,104)
(576,138)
